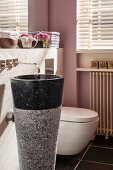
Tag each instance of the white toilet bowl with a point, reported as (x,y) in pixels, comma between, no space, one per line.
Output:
(77,127)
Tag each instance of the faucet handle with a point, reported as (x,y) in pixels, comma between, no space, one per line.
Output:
(2,64)
(9,63)
(15,62)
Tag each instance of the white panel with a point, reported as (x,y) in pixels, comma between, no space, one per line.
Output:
(24,56)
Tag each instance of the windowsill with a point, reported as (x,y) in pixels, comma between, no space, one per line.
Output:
(95,51)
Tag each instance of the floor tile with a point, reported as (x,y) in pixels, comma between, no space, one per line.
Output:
(99,155)
(86,165)
(101,141)
(79,156)
(65,164)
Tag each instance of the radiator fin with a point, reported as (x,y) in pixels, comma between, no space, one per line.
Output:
(101,100)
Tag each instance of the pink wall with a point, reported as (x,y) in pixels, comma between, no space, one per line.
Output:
(59,15)
(83,82)
(62,19)
(38,15)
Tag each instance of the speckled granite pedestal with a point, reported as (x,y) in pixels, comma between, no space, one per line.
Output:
(37,101)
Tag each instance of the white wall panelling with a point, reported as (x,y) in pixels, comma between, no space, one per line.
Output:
(29,56)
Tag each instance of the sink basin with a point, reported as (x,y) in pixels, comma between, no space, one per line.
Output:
(37,108)
(37,91)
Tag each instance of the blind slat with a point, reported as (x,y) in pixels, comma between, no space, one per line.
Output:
(14,15)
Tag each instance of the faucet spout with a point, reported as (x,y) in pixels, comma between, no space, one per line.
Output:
(36,65)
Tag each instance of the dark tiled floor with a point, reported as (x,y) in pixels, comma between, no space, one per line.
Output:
(100,141)
(65,164)
(98,155)
(86,165)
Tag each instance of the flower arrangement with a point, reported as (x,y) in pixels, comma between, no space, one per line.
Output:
(44,37)
(27,41)
(26,35)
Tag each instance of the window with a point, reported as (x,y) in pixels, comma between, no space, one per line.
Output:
(94,24)
(14,15)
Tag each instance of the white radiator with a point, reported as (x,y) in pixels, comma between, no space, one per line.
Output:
(101,100)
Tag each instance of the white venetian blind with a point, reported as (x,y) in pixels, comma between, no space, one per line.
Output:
(94,24)
(14,15)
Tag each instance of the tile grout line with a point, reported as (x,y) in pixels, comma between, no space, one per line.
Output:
(98,162)
(101,147)
(82,156)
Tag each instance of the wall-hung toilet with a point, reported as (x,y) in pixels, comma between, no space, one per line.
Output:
(77,127)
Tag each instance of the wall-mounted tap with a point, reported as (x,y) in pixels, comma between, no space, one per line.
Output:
(2,64)
(35,64)
(15,62)
(9,63)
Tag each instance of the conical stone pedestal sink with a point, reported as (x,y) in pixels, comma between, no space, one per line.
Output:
(37,107)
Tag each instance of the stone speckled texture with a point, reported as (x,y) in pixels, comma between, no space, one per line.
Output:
(37,92)
(37,100)
(37,132)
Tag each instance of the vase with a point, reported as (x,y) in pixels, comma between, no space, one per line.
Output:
(37,107)
(45,43)
(39,44)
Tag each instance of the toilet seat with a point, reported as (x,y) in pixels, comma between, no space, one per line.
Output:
(73,114)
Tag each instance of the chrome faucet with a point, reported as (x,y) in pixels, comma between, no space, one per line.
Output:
(36,65)
(9,63)
(2,64)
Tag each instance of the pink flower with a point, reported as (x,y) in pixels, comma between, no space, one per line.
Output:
(46,37)
(41,36)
